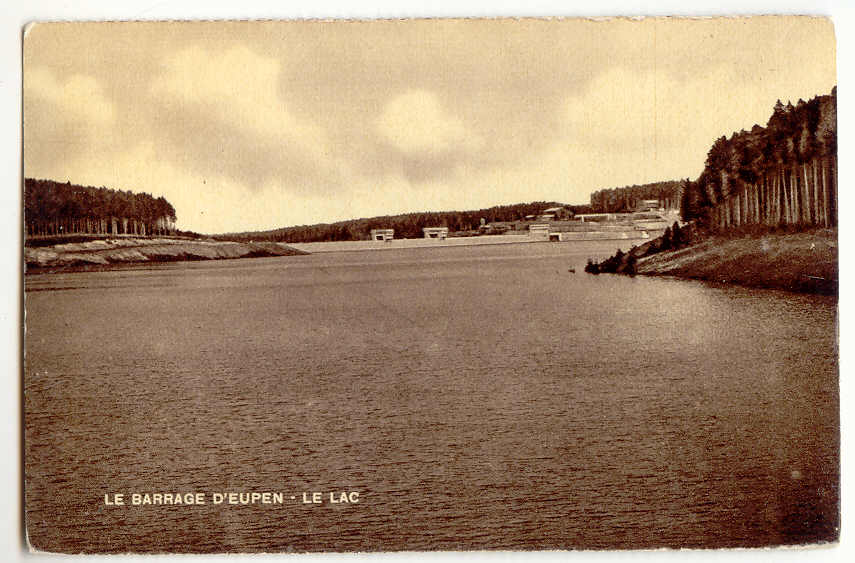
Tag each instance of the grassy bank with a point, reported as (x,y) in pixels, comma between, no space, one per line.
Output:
(799,261)
(103,253)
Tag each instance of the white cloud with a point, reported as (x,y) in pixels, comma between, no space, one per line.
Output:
(416,123)
(662,126)
(240,88)
(228,128)
(64,120)
(79,98)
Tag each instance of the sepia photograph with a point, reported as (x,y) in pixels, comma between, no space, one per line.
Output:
(430,284)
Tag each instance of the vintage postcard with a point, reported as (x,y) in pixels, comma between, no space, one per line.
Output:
(449,284)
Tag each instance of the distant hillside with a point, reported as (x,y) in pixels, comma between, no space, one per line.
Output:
(408,225)
(53,208)
(627,198)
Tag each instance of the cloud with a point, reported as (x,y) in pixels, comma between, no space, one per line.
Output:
(629,110)
(662,126)
(416,124)
(79,98)
(221,113)
(64,120)
(236,86)
(265,124)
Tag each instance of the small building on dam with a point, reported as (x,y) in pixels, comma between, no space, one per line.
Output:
(382,234)
(539,231)
(436,232)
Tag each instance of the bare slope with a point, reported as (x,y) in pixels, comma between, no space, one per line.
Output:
(804,262)
(136,250)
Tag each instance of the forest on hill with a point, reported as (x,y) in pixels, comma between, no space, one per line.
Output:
(781,174)
(408,225)
(627,198)
(54,208)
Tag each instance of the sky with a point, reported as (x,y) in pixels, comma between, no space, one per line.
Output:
(259,125)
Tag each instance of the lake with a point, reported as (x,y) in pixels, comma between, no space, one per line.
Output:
(478,397)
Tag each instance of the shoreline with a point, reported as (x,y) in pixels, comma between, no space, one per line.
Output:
(114,253)
(799,262)
(129,252)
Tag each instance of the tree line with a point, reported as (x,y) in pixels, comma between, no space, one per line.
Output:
(627,198)
(407,225)
(54,208)
(781,174)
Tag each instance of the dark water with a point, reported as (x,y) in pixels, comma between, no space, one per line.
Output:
(476,397)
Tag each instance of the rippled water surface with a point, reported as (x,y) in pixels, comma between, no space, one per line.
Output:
(475,397)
